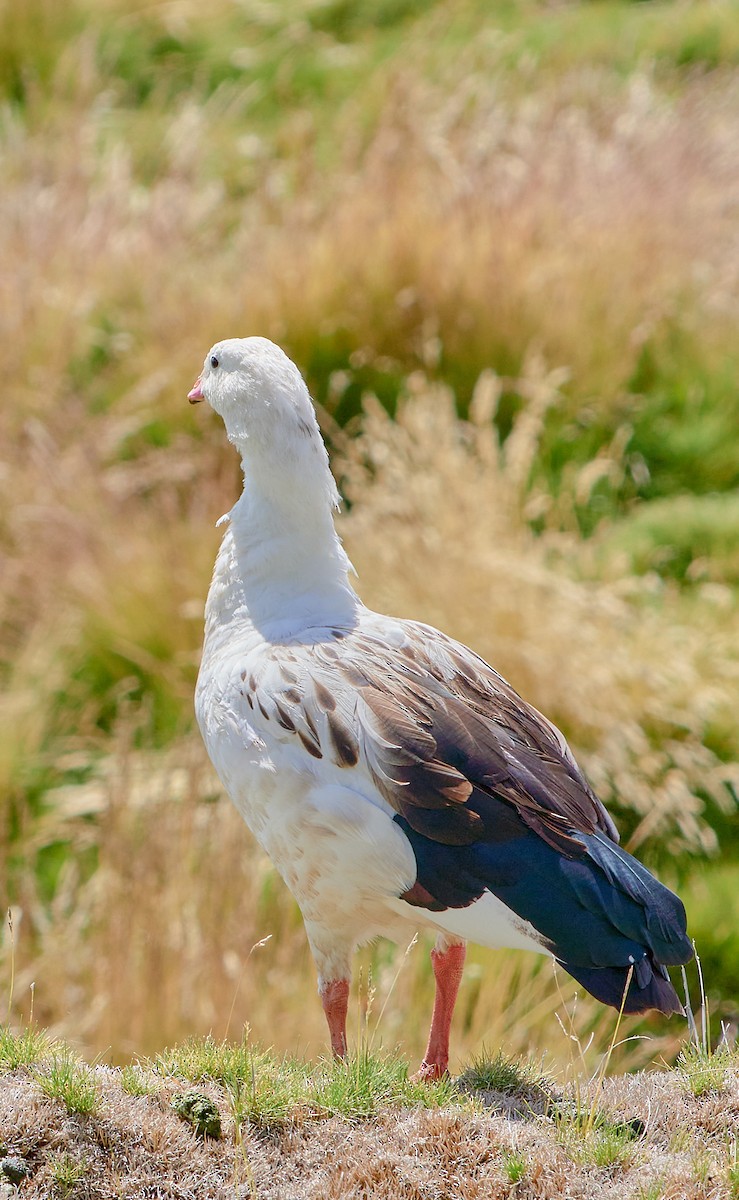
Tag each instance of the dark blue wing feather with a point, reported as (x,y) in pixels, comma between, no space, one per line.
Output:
(602,913)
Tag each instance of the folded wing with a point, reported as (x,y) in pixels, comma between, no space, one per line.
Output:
(492,801)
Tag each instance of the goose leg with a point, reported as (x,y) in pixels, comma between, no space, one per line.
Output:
(448,964)
(335,999)
(332,956)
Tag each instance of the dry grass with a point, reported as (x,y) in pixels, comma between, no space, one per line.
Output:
(158,942)
(155,939)
(458,226)
(654,1139)
(623,670)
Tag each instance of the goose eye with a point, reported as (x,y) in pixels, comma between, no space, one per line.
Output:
(213,361)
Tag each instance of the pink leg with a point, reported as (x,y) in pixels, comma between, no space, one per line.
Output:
(448,966)
(335,1000)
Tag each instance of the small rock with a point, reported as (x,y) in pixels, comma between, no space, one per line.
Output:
(14,1169)
(199,1111)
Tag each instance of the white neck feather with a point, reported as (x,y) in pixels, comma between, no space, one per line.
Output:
(281,567)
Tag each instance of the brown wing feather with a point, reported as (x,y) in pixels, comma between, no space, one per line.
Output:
(446,727)
(439,730)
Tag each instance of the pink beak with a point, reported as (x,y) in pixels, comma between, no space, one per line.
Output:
(196,394)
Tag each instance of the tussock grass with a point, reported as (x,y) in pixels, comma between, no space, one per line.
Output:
(604,1143)
(63,1077)
(205,1058)
(651,1191)
(499,1072)
(368,1083)
(706,1070)
(23,1049)
(66,1172)
(135,1081)
(732,1174)
(514,1165)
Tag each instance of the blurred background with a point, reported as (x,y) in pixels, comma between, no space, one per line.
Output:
(501,240)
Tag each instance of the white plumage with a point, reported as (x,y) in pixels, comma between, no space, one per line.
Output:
(385,769)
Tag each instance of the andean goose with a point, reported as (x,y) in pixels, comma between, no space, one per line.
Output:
(393,777)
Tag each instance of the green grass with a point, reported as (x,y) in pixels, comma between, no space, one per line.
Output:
(66,1172)
(272,1095)
(651,1191)
(266,1090)
(28,62)
(515,1165)
(263,1089)
(592,1137)
(367,1083)
(501,1073)
(205,1058)
(63,1077)
(136,1081)
(712,900)
(702,1168)
(606,1147)
(706,1071)
(24,1049)
(692,539)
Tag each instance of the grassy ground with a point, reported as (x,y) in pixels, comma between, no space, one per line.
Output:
(524,216)
(213,1119)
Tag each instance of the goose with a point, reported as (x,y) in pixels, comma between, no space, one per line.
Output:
(395,779)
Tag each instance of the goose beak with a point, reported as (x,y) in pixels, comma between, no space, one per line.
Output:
(195,395)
